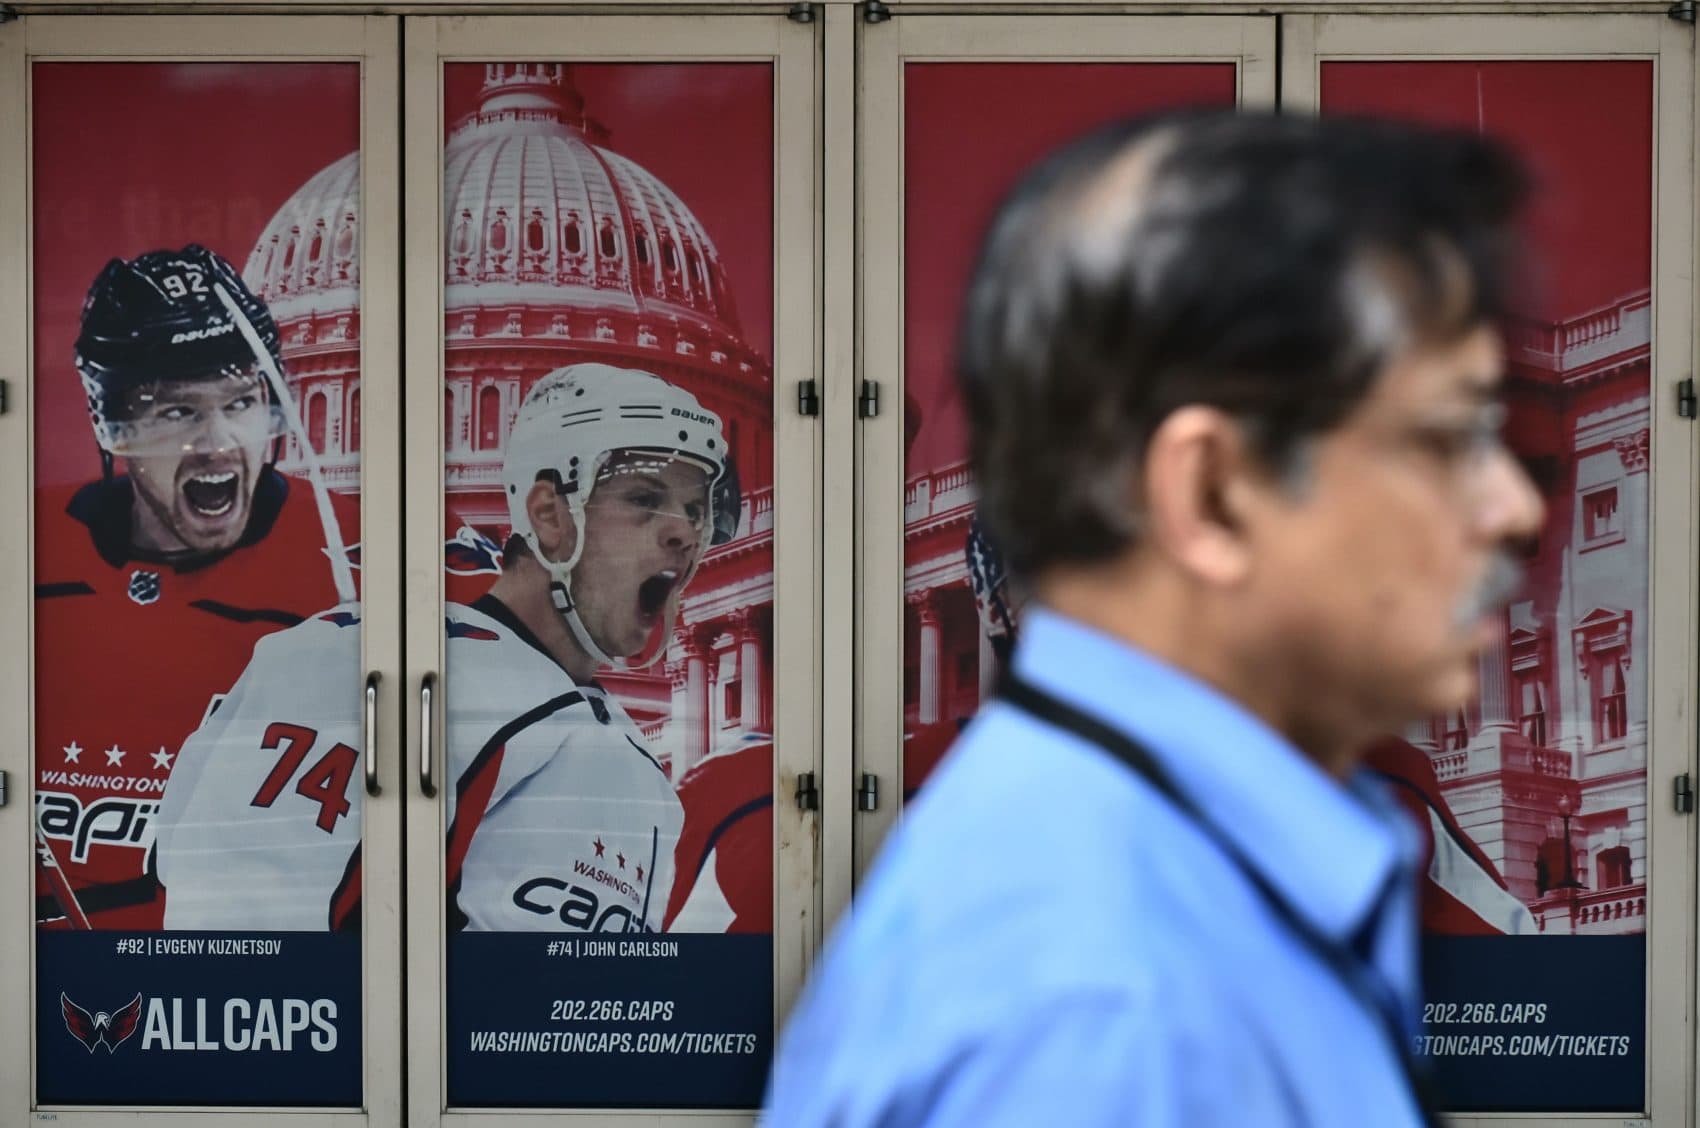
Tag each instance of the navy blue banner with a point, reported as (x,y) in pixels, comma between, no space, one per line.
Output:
(1537,1023)
(607,1020)
(198,1018)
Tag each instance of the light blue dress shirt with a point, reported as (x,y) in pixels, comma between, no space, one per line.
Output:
(1045,941)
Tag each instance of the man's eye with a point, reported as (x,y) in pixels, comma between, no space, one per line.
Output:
(645,499)
(694,511)
(176,413)
(240,404)
(1459,441)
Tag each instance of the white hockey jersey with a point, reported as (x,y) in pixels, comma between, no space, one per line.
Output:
(259,828)
(558,816)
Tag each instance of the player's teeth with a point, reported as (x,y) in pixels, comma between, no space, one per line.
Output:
(217,479)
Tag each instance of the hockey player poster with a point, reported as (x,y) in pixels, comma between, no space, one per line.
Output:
(196,391)
(1531,802)
(608,282)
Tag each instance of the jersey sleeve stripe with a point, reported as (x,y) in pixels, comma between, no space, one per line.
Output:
(345,902)
(71,587)
(507,732)
(247,614)
(476,787)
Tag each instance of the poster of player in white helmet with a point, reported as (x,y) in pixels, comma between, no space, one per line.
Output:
(608,424)
(1531,804)
(196,392)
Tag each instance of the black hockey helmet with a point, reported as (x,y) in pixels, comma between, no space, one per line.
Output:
(156,318)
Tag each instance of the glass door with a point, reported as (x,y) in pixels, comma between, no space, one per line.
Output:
(612,567)
(214,827)
(1556,890)
(952,109)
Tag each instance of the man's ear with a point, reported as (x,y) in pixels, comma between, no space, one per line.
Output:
(1201,485)
(549,519)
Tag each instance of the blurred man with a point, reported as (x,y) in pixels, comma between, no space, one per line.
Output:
(154,582)
(1232,384)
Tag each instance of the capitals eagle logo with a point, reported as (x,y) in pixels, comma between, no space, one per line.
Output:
(101,1027)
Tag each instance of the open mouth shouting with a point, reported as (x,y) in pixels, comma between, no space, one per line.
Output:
(655,591)
(211,494)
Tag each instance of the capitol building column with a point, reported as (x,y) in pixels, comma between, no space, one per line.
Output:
(692,711)
(927,613)
(750,717)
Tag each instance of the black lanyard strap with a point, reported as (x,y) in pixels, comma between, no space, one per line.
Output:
(1355,974)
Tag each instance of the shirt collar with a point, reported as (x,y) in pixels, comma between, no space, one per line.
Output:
(1329,847)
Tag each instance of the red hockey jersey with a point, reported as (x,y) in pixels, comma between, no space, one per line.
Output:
(130,655)
(1462,893)
(728,801)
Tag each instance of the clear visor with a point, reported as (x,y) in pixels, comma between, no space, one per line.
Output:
(210,416)
(642,489)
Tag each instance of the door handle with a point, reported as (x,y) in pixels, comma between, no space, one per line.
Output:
(427,695)
(371,736)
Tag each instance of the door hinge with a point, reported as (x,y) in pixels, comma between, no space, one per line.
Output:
(1683,11)
(868,404)
(801,13)
(808,796)
(2,789)
(1685,401)
(808,398)
(875,12)
(868,794)
(1682,794)
(5,399)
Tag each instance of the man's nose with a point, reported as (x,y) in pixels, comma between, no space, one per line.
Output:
(1511,506)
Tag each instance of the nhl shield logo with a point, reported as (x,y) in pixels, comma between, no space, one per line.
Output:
(144,586)
(101,1028)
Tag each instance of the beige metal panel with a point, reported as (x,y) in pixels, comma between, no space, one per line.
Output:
(380,556)
(797,694)
(17,817)
(422,583)
(1248,41)
(798,565)
(1308,41)
(370,40)
(1674,618)
(838,502)
(163,38)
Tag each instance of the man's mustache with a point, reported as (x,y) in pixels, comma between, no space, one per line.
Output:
(1501,583)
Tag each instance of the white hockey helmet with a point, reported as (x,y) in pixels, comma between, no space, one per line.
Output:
(572,421)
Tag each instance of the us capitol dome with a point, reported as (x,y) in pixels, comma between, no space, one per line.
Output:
(557,249)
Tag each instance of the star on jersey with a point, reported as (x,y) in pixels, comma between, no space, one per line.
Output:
(114,756)
(640,873)
(162,758)
(621,858)
(72,751)
(599,847)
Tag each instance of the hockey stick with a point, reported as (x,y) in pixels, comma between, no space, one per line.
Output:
(58,884)
(341,573)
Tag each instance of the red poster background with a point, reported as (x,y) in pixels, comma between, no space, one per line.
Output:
(970,130)
(229,143)
(706,131)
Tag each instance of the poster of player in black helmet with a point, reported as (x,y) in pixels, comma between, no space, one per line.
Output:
(196,491)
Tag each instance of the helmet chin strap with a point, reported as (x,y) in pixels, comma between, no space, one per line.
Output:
(561,590)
